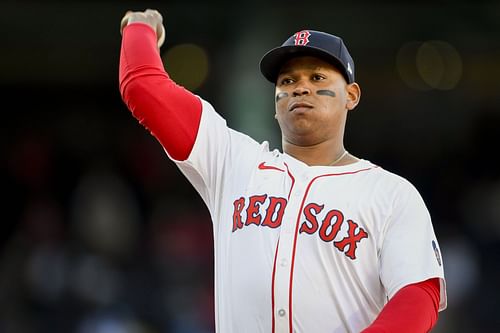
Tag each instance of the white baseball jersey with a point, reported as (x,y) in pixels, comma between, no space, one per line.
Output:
(303,248)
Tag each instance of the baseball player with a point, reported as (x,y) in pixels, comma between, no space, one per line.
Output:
(310,239)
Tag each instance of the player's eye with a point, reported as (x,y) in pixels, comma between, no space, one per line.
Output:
(318,77)
(286,81)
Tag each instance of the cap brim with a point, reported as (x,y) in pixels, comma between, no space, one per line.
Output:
(272,61)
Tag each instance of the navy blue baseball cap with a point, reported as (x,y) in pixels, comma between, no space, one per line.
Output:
(319,44)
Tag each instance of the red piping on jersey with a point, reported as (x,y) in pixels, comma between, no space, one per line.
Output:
(293,181)
(296,234)
(263,167)
(272,283)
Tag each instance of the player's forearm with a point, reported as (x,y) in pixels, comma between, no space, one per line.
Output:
(169,111)
(414,309)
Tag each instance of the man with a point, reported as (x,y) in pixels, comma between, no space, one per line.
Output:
(312,239)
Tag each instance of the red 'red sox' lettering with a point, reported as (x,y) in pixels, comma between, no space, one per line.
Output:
(253,215)
(352,240)
(328,230)
(335,227)
(262,210)
(310,212)
(273,212)
(238,204)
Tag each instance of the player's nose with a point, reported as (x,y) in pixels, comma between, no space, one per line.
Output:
(301,90)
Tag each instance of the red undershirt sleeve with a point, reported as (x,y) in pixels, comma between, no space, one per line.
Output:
(413,309)
(170,112)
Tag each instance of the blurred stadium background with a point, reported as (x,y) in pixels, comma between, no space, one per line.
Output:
(102,234)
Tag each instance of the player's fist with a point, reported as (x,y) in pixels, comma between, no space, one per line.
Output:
(151,17)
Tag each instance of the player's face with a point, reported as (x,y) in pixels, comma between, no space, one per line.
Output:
(312,100)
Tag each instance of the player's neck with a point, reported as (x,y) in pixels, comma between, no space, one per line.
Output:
(324,153)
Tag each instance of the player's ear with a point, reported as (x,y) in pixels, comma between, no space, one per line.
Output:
(353,95)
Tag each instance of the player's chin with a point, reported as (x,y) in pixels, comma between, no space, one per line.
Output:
(301,135)
(303,141)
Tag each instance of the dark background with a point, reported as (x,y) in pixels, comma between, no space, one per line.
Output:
(100,231)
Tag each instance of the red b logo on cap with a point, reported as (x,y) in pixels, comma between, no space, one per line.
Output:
(302,37)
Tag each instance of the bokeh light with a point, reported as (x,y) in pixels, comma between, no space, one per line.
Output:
(187,64)
(429,65)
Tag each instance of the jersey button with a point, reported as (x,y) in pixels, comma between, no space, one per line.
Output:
(281,312)
(283,262)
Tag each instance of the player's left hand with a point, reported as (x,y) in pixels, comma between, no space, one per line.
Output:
(151,17)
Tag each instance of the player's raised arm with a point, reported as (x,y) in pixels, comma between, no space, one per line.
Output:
(169,111)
